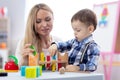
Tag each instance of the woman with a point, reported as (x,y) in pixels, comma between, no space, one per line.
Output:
(38,28)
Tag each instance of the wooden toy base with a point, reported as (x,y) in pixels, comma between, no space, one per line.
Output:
(11,70)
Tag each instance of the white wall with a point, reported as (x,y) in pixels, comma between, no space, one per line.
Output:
(16,13)
(63,11)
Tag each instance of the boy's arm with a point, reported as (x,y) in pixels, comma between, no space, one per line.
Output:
(64,46)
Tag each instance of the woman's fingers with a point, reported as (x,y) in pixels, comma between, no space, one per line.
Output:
(27,46)
(26,51)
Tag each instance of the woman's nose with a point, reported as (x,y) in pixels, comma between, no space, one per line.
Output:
(44,23)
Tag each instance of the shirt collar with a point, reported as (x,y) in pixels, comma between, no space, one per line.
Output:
(87,39)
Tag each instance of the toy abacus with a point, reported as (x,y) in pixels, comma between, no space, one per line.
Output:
(50,63)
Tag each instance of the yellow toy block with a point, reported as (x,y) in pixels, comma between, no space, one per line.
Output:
(31,72)
(42,57)
(53,67)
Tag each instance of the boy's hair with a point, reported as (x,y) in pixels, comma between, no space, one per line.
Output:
(85,16)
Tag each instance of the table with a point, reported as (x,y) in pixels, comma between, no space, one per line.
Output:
(57,76)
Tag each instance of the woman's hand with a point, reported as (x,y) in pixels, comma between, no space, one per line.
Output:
(52,49)
(72,68)
(27,50)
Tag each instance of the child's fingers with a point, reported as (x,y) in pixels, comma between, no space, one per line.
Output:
(52,52)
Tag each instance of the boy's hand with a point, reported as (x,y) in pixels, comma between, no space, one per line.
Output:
(52,49)
(72,68)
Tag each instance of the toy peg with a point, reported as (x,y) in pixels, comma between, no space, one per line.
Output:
(42,59)
(53,64)
(48,59)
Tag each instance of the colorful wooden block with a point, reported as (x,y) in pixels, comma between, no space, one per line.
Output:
(40,70)
(53,67)
(54,57)
(42,59)
(53,64)
(23,68)
(48,64)
(59,64)
(33,60)
(31,72)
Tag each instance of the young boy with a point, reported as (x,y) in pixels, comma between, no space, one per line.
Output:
(83,50)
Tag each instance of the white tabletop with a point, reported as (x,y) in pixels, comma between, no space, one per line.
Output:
(57,76)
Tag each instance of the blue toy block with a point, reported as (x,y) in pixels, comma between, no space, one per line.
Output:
(31,71)
(54,57)
(23,70)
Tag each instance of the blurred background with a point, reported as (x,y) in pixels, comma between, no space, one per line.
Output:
(14,13)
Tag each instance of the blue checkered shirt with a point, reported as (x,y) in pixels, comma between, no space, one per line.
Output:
(75,47)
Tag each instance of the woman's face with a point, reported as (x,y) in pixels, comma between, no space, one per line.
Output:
(44,22)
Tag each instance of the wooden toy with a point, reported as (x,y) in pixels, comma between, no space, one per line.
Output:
(23,70)
(33,58)
(12,65)
(62,70)
(58,60)
(31,71)
(40,70)
(59,64)
(42,59)
(48,64)
(53,63)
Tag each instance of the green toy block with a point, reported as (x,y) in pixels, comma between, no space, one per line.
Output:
(40,70)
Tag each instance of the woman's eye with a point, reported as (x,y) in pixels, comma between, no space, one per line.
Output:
(38,21)
(47,19)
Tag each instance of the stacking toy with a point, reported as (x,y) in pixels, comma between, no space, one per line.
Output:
(11,65)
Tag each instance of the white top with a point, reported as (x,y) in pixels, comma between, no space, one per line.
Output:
(20,43)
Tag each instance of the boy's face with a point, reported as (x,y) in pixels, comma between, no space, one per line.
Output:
(81,31)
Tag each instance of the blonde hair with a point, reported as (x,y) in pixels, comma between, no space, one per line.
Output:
(30,35)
